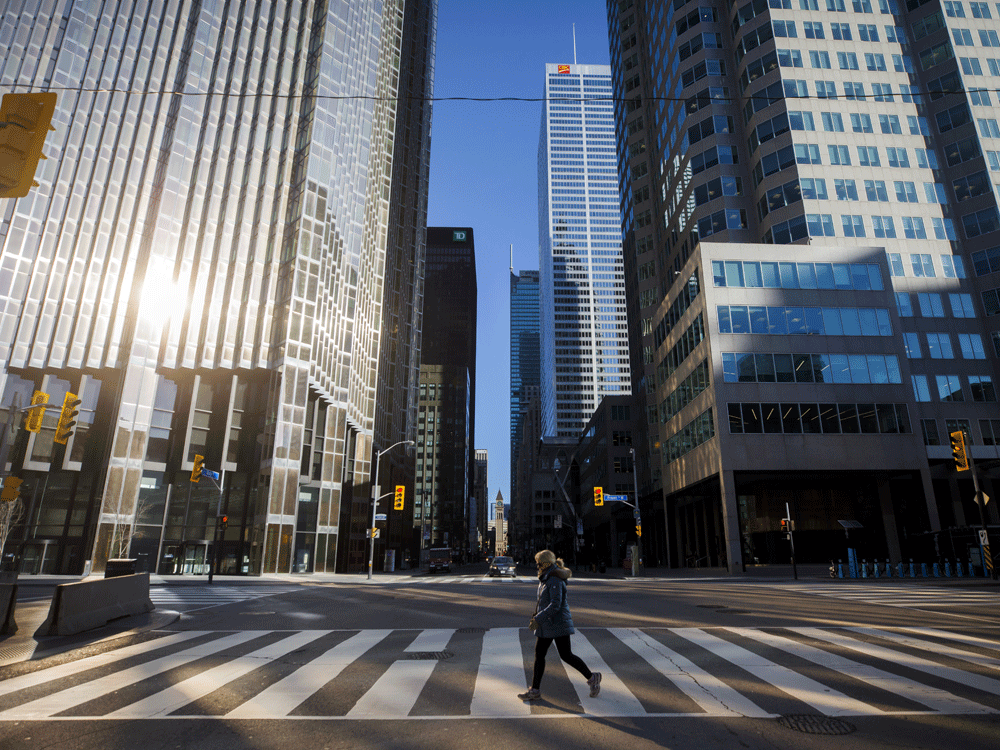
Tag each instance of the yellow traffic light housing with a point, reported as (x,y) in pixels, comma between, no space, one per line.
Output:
(67,418)
(598,496)
(199,464)
(958,450)
(784,525)
(223,522)
(25,121)
(34,417)
(399,501)
(11,489)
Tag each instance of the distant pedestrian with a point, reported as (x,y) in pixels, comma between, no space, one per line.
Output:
(552,622)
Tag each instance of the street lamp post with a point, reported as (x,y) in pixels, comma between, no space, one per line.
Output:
(375,499)
(638,518)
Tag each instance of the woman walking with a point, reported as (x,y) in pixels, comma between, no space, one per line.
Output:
(554,623)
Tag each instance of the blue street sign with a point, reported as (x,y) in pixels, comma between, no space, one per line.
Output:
(211,474)
(616,498)
(381,517)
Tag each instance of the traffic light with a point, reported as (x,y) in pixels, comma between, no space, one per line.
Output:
(598,496)
(11,489)
(399,500)
(199,464)
(223,522)
(638,530)
(33,421)
(24,124)
(785,526)
(958,451)
(67,418)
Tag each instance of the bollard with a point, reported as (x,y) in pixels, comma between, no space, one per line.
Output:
(864,568)
(937,571)
(958,568)
(923,570)
(840,568)
(888,569)
(902,570)
(875,568)
(972,570)
(947,568)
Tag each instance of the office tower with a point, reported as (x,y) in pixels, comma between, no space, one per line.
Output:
(402,296)
(446,425)
(525,362)
(482,498)
(810,221)
(582,292)
(203,264)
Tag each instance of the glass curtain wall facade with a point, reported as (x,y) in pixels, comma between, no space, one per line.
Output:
(582,291)
(204,264)
(525,361)
(815,124)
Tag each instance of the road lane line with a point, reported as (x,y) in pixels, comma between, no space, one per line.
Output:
(821,697)
(961,638)
(712,695)
(203,683)
(501,676)
(933,698)
(93,662)
(431,640)
(969,679)
(88,691)
(285,695)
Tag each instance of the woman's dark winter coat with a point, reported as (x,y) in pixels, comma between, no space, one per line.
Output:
(553,615)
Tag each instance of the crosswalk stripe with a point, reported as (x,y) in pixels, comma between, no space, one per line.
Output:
(959,637)
(825,699)
(978,682)
(615,699)
(285,695)
(939,648)
(501,675)
(93,662)
(66,699)
(202,684)
(396,691)
(712,695)
(936,700)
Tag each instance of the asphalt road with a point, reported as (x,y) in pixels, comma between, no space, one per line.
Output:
(436,663)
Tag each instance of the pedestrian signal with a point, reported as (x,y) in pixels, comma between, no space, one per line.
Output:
(25,122)
(33,420)
(199,464)
(223,522)
(598,496)
(399,500)
(958,451)
(11,489)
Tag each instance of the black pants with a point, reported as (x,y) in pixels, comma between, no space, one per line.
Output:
(565,653)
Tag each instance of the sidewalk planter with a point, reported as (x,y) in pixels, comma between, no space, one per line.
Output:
(120,567)
(94,602)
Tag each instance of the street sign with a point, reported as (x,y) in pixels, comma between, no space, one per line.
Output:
(616,498)
(211,474)
(381,517)
(579,527)
(984,538)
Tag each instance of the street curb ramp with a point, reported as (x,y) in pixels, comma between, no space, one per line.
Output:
(91,603)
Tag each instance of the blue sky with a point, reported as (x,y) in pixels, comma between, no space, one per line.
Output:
(484,162)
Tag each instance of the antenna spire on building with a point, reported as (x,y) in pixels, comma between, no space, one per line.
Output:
(574,44)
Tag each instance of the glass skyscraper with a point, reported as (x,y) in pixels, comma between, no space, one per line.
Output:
(583,333)
(204,263)
(525,362)
(824,172)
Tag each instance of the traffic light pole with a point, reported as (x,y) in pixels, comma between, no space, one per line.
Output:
(638,517)
(982,514)
(791,540)
(375,499)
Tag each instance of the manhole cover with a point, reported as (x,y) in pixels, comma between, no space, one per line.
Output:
(815,724)
(430,655)
(472,630)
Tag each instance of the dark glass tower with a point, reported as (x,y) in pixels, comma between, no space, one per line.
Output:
(525,360)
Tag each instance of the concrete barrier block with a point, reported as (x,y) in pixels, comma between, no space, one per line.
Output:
(94,602)
(8,601)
